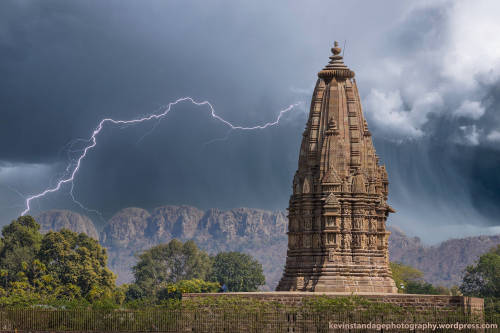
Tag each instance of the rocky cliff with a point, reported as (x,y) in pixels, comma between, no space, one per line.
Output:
(65,219)
(444,263)
(257,232)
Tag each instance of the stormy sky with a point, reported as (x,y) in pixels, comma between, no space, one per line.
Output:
(428,73)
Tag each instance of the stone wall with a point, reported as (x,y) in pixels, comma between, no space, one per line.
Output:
(469,305)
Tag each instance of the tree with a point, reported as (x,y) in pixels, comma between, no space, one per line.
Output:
(403,275)
(410,280)
(76,264)
(169,263)
(238,271)
(18,247)
(422,287)
(483,278)
(64,264)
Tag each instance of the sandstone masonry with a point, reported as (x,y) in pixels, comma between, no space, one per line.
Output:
(337,238)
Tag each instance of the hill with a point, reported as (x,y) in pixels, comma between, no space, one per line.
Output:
(257,232)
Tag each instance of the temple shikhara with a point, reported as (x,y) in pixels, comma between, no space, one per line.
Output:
(337,238)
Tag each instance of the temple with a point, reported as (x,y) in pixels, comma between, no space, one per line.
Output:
(337,238)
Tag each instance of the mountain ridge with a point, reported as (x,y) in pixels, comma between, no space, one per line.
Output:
(260,233)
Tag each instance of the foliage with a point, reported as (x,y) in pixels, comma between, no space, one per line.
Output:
(77,262)
(175,290)
(238,271)
(409,280)
(19,245)
(324,304)
(168,263)
(231,303)
(483,280)
(422,287)
(403,274)
(56,268)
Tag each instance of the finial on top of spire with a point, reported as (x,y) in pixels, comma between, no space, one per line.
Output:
(336,49)
(336,67)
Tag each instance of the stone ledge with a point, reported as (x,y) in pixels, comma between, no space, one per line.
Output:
(467,304)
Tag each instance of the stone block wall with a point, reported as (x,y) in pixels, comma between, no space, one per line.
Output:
(469,305)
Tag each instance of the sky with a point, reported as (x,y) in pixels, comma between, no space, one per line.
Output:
(428,74)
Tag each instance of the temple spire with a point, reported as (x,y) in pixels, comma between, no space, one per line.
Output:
(337,240)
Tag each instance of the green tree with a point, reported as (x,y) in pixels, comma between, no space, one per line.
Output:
(403,274)
(18,247)
(76,264)
(168,263)
(410,280)
(238,271)
(483,278)
(422,287)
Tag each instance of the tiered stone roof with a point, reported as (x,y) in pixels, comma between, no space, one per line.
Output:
(337,214)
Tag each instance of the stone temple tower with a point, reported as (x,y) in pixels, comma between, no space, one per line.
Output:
(337,239)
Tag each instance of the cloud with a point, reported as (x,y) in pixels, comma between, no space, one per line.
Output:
(472,48)
(447,50)
(493,136)
(66,65)
(471,135)
(470,109)
(388,113)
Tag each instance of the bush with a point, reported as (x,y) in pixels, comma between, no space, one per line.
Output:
(175,290)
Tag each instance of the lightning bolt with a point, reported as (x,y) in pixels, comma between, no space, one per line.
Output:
(69,175)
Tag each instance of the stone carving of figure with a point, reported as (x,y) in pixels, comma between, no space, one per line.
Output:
(347,241)
(345,187)
(359,183)
(358,223)
(373,224)
(373,241)
(355,240)
(346,210)
(362,241)
(347,223)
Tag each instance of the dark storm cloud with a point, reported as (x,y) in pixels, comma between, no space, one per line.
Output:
(65,65)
